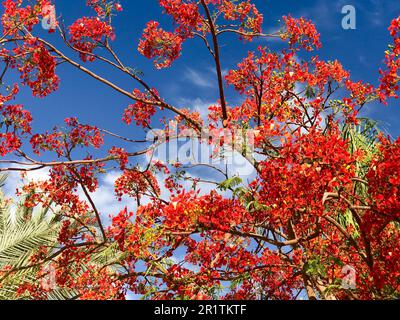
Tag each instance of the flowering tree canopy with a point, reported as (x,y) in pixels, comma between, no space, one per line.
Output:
(324,198)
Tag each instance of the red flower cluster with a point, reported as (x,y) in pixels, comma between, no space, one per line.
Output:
(16,122)
(37,67)
(185,15)
(121,156)
(63,142)
(136,184)
(17,117)
(390,77)
(9,142)
(263,78)
(16,15)
(104,8)
(322,169)
(163,46)
(120,224)
(87,33)
(250,19)
(384,179)
(141,112)
(301,32)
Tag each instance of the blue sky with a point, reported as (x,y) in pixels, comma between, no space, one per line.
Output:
(191,80)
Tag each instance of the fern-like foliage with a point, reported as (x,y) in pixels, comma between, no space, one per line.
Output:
(361,137)
(23,231)
(364,137)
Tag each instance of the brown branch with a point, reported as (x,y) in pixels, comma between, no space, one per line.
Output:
(217,63)
(119,89)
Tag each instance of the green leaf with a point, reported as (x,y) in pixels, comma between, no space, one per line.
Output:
(230,184)
(314,267)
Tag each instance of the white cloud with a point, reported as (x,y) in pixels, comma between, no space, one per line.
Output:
(15,181)
(376,11)
(199,79)
(199,105)
(104,198)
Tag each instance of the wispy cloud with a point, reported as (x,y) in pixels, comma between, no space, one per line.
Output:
(325,13)
(200,79)
(376,11)
(15,181)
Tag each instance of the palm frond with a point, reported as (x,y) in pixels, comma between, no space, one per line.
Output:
(23,231)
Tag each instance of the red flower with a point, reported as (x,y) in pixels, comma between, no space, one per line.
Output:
(301,32)
(87,33)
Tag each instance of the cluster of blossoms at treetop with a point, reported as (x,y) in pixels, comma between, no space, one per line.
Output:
(390,77)
(325,193)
